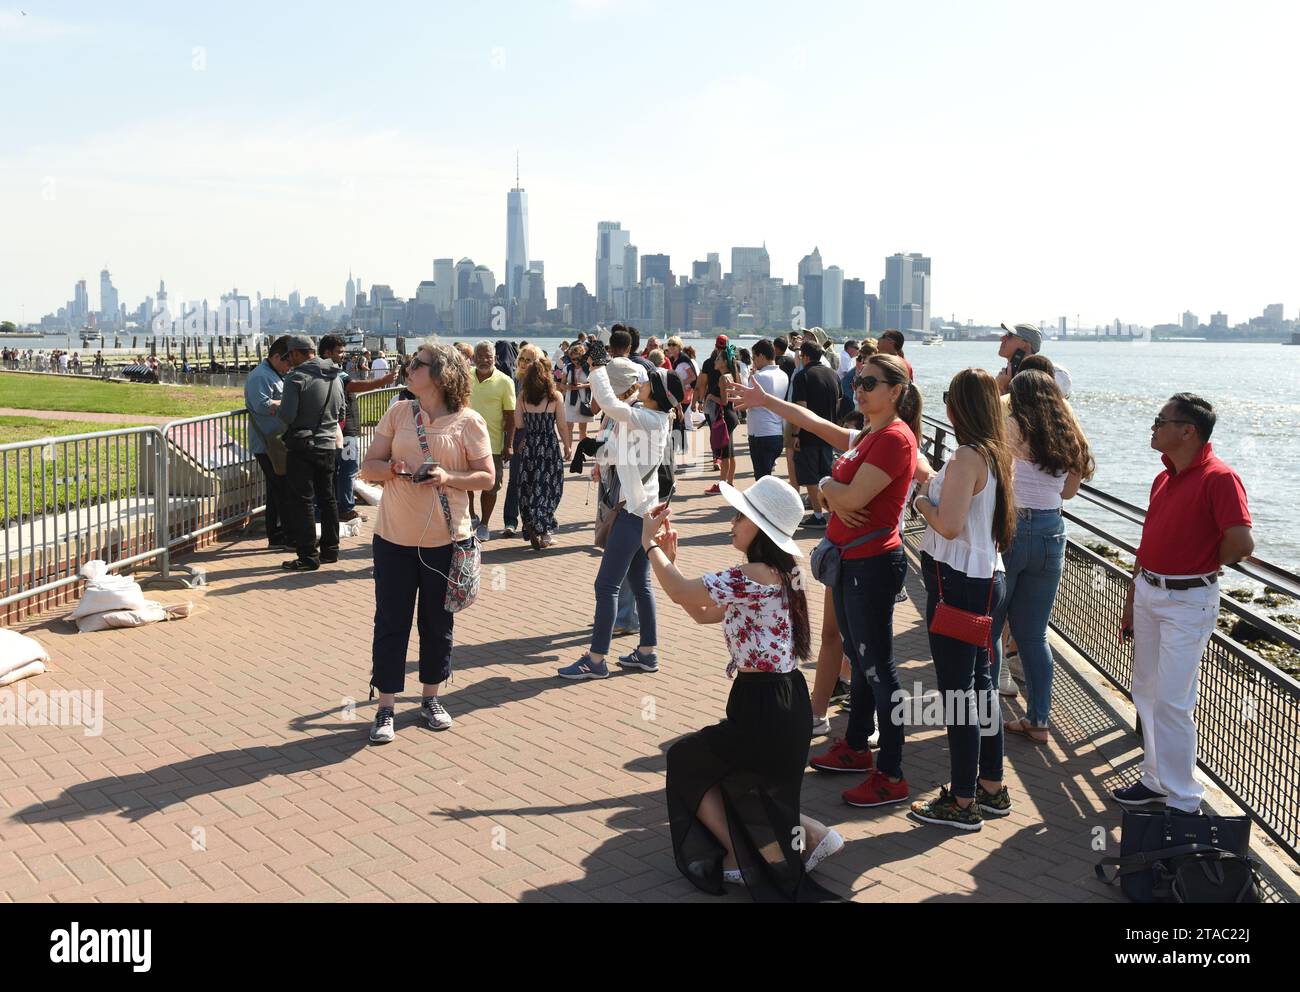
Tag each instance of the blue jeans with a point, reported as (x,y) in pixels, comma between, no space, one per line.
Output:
(864,611)
(627,618)
(974,739)
(510,517)
(763,452)
(348,465)
(1034,566)
(623,559)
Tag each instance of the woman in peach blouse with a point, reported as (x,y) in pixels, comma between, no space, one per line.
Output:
(412,543)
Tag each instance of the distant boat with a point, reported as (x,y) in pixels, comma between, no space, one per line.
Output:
(935,339)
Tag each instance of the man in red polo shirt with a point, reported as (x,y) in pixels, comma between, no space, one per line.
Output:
(1196,522)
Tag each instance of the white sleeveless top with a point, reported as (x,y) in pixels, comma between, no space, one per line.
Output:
(1036,488)
(972,551)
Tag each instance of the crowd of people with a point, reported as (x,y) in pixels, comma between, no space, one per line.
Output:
(848,422)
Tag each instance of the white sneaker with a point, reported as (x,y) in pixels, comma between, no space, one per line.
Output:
(434,713)
(733,876)
(874,739)
(831,845)
(383,730)
(482,533)
(548,540)
(821,727)
(1006,684)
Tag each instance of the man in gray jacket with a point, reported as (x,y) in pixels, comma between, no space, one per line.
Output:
(311,408)
(263,392)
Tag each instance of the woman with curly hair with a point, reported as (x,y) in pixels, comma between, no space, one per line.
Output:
(1052,460)
(419,518)
(539,420)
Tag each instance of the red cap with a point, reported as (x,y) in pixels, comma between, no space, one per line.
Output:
(721,342)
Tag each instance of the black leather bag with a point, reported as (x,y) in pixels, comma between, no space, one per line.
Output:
(1168,856)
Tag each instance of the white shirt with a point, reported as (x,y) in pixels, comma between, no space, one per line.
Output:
(765,423)
(379,368)
(636,446)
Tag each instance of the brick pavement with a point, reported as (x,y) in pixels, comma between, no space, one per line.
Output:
(228,769)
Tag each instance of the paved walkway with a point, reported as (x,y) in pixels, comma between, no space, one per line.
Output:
(228,768)
(91,418)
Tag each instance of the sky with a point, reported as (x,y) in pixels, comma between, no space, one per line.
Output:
(1107,160)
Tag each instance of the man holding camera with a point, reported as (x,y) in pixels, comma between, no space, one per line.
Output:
(1196,522)
(1016,346)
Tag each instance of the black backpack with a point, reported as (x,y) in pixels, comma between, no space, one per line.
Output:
(1169,856)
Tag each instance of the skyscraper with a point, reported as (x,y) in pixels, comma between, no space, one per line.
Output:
(812,300)
(611,247)
(658,268)
(855,305)
(810,265)
(444,279)
(516,239)
(833,298)
(350,294)
(749,264)
(81,304)
(907,293)
(107,299)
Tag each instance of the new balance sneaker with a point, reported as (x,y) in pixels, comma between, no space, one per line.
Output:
(991,805)
(584,668)
(841,692)
(877,790)
(1137,795)
(384,729)
(842,758)
(640,662)
(945,812)
(435,714)
(830,845)
(482,533)
(821,727)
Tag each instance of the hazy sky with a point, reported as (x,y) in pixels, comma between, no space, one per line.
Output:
(1122,160)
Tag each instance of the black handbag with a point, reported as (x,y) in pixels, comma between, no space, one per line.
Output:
(827,556)
(1168,856)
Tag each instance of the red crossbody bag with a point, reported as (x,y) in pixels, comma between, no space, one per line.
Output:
(963,625)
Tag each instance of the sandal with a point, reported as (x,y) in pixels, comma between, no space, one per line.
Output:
(1023,728)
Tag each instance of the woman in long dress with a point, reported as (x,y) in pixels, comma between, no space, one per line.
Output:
(733,788)
(539,419)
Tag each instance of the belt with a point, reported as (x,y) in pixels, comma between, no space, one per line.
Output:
(1199,582)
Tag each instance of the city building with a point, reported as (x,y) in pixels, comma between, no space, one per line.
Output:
(854,305)
(832,299)
(906,292)
(1063,327)
(1219,321)
(749,264)
(108,302)
(350,295)
(656,268)
(810,265)
(516,239)
(813,300)
(611,246)
(1191,323)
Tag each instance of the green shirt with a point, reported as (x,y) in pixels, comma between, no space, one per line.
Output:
(491,399)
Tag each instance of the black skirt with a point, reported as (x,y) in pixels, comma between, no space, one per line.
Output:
(757,757)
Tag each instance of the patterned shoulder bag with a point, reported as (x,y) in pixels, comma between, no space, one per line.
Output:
(465,574)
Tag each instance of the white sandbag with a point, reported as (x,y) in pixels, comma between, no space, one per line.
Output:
(119,619)
(18,650)
(349,529)
(26,672)
(371,494)
(106,592)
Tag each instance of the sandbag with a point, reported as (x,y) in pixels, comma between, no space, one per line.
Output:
(151,612)
(18,651)
(26,672)
(106,592)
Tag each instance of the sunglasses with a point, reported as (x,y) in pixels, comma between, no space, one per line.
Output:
(868,382)
(419,363)
(1160,422)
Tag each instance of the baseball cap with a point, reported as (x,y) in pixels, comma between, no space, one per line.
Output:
(622,375)
(1030,333)
(298,342)
(721,342)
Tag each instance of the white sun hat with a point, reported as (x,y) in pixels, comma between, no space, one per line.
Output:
(1064,381)
(775,508)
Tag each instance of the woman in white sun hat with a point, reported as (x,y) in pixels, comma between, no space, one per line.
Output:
(733,788)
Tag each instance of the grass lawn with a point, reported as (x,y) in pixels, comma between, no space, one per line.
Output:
(62,474)
(46,392)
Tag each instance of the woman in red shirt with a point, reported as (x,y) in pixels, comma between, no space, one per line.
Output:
(866,491)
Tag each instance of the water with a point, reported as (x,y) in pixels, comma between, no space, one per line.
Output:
(1118,389)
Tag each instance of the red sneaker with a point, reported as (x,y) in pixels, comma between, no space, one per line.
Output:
(842,758)
(877,790)
(713,490)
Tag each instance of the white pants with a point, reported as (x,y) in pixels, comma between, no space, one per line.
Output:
(1171,629)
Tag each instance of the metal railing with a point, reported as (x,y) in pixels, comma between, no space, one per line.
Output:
(130,497)
(1247,711)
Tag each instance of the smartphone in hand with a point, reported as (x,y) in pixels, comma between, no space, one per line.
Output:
(423,472)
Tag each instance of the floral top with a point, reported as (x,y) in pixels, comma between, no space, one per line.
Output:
(757,622)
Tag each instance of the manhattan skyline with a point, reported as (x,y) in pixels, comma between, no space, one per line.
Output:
(1059,163)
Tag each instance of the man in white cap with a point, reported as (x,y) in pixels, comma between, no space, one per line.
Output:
(1017,344)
